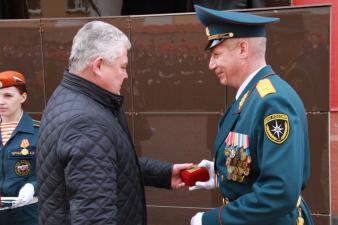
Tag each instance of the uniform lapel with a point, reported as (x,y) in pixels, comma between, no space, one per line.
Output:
(226,123)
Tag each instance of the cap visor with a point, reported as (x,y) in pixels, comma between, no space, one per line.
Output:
(213,43)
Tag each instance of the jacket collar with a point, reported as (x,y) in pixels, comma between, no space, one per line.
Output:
(265,71)
(25,125)
(98,94)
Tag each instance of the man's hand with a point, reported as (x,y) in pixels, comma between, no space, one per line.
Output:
(210,184)
(25,196)
(176,181)
(197,219)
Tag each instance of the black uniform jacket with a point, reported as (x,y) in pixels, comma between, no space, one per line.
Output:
(87,169)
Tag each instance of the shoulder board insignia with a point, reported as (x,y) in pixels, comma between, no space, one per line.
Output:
(36,123)
(265,87)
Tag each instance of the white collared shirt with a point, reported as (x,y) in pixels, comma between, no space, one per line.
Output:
(246,82)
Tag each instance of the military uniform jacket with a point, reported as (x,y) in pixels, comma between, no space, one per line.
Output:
(262,156)
(17,161)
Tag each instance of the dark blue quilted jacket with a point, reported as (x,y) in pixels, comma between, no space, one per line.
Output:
(87,169)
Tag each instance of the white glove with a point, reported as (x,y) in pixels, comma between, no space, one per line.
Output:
(197,219)
(25,196)
(210,184)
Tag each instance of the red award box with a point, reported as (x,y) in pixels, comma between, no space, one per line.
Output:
(190,176)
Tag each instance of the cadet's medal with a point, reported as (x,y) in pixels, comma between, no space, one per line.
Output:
(24,144)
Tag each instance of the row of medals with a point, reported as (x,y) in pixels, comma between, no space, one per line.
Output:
(238,163)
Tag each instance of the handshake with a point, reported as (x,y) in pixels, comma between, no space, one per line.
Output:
(201,176)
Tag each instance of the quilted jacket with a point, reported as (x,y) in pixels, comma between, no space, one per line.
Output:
(87,169)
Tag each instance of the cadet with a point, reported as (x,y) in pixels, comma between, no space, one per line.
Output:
(17,147)
(261,152)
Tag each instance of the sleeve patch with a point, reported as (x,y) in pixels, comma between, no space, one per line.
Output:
(277,127)
(265,87)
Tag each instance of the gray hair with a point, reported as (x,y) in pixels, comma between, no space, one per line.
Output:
(96,39)
(257,45)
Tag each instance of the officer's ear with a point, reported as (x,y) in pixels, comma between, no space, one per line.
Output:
(243,48)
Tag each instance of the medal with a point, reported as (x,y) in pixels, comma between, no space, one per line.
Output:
(24,151)
(240,171)
(230,169)
(24,144)
(240,179)
(243,155)
(238,157)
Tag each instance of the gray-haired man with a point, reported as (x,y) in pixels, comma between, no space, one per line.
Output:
(87,169)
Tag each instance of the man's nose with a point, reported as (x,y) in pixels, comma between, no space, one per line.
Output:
(125,77)
(212,64)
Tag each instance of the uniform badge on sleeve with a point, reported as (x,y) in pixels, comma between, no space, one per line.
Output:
(277,127)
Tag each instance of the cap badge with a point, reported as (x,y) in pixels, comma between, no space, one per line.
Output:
(17,79)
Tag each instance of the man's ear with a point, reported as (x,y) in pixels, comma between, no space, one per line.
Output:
(244,48)
(96,66)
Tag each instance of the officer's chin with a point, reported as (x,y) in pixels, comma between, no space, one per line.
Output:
(223,81)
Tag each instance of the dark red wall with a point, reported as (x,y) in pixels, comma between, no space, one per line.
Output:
(334,47)
(333,101)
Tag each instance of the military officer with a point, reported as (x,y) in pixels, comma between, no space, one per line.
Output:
(17,148)
(261,152)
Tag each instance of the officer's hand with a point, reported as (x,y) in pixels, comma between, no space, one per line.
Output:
(25,196)
(210,184)
(197,219)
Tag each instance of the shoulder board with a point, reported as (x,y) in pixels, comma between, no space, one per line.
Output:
(265,87)
(36,123)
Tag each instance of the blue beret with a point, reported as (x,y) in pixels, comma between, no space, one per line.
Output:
(221,25)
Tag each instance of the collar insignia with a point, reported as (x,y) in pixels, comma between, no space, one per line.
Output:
(243,99)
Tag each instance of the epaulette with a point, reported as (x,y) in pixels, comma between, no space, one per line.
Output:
(264,87)
(36,123)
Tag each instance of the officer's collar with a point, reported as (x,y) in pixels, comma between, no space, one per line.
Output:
(245,95)
(259,75)
(246,82)
(100,95)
